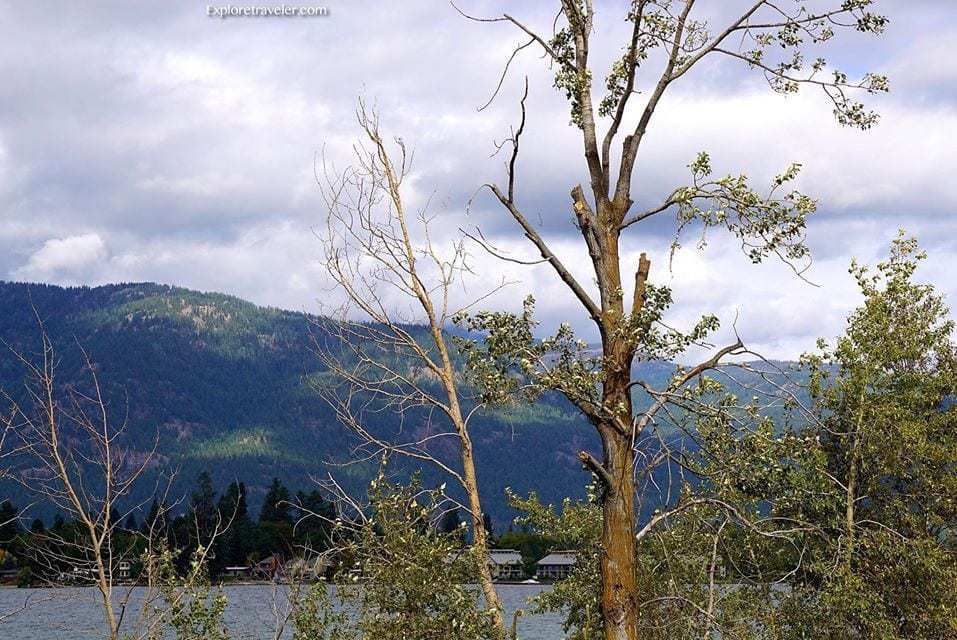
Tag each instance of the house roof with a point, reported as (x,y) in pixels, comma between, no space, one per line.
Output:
(558,558)
(505,556)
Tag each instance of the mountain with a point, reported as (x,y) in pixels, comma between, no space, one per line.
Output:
(222,383)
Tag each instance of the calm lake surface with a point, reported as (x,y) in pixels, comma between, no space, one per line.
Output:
(72,613)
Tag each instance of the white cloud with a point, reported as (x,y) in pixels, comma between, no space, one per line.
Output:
(65,260)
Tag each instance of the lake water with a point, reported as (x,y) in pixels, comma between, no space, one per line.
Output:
(72,613)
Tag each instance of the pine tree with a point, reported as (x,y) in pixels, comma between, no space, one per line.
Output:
(203,514)
(276,506)
(9,524)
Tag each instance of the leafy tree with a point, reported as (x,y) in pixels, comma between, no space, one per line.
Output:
(577,526)
(887,429)
(669,40)
(193,610)
(416,578)
(316,618)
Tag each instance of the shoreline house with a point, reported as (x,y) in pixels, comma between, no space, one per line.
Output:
(124,570)
(556,565)
(237,571)
(267,568)
(506,564)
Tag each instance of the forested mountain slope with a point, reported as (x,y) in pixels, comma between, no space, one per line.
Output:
(222,383)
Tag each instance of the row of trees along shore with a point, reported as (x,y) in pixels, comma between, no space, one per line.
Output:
(288,526)
(821,506)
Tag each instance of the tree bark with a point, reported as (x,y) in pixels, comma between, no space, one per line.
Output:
(619,589)
(850,521)
(480,535)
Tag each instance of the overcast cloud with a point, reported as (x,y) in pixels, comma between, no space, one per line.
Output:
(148,141)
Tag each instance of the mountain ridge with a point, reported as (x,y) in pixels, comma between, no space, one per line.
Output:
(224,384)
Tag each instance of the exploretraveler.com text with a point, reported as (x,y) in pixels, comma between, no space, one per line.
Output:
(265,11)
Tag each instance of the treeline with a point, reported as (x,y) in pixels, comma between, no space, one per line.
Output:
(289,525)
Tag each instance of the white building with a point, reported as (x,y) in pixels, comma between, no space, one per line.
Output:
(506,564)
(556,565)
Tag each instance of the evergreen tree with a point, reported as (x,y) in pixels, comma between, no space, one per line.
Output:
(451,523)
(9,524)
(275,521)
(152,520)
(276,505)
(238,540)
(314,520)
(232,504)
(203,513)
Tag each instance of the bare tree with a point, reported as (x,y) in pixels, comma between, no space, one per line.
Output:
(768,37)
(384,260)
(64,448)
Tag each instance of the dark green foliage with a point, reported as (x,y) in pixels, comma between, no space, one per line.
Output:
(304,529)
(232,504)
(235,545)
(224,385)
(314,519)
(9,524)
(451,522)
(202,521)
(276,506)
(154,522)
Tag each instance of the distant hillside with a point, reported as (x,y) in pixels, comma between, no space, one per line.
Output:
(221,381)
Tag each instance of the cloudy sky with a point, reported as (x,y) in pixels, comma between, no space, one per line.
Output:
(149,141)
